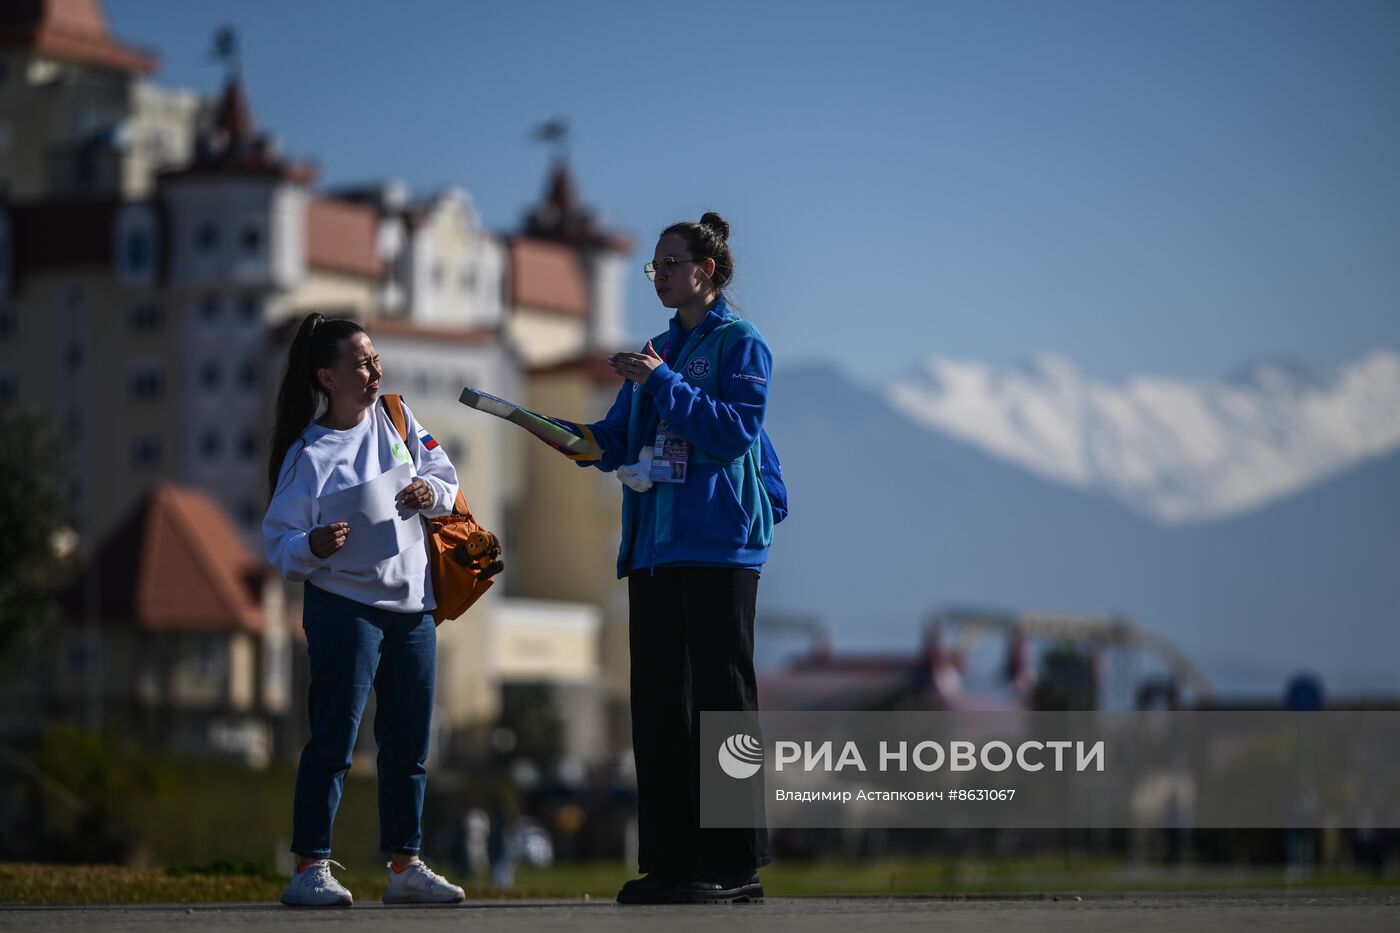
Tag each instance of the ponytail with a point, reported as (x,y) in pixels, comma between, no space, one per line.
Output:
(315,346)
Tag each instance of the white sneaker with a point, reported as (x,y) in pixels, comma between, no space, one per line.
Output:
(419,884)
(314,886)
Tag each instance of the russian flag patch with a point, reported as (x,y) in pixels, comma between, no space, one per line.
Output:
(427,440)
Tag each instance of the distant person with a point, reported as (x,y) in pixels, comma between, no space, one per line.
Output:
(364,624)
(478,826)
(696,527)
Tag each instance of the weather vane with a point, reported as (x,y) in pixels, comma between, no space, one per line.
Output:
(226,49)
(555,131)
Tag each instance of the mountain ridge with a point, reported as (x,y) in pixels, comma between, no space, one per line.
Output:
(892,520)
(1175,450)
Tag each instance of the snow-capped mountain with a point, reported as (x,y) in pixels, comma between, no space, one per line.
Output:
(1174,450)
(893,519)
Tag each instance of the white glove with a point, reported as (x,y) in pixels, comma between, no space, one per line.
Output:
(637,476)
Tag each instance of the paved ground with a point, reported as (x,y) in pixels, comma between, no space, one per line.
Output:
(1348,911)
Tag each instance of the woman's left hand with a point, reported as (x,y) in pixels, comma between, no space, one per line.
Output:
(635,366)
(416,496)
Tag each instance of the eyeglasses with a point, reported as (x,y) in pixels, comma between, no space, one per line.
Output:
(663,267)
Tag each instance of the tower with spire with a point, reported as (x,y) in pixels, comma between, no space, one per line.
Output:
(566,283)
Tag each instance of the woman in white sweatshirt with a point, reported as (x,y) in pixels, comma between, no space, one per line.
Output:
(368,623)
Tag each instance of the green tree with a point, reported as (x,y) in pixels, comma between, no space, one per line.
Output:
(34,491)
(81,791)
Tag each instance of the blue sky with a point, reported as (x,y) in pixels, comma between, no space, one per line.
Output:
(1177,188)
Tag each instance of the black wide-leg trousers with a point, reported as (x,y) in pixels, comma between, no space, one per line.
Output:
(691,635)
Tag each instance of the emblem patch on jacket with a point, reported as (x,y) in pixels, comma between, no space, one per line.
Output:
(699,368)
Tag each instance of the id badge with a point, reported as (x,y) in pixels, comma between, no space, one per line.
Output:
(670,456)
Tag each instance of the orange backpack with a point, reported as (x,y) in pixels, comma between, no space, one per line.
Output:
(462,556)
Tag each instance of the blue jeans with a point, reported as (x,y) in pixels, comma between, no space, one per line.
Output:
(351,646)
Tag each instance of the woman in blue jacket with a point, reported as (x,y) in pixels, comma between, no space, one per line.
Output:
(685,435)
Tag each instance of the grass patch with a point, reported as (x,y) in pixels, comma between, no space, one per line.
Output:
(115,884)
(226,866)
(229,882)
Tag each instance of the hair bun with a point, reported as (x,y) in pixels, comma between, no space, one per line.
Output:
(716,223)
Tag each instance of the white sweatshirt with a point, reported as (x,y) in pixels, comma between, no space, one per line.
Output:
(322,461)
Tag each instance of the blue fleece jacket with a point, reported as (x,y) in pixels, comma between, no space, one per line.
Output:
(712,390)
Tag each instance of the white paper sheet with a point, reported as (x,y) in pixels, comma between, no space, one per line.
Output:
(379,529)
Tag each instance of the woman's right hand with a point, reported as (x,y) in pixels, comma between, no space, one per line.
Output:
(328,539)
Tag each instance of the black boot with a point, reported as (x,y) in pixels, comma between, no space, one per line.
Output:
(741,888)
(655,888)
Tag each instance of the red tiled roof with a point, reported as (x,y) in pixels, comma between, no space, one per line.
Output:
(176,564)
(235,115)
(233,145)
(834,689)
(562,196)
(858,663)
(548,276)
(340,237)
(593,365)
(75,30)
(251,160)
(562,216)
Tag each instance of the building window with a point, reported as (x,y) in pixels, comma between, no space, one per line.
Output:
(249,308)
(206,237)
(247,445)
(9,390)
(209,376)
(210,444)
(137,244)
(208,659)
(9,321)
(145,452)
(138,252)
(209,307)
(73,355)
(251,241)
(467,281)
(456,452)
(147,383)
(145,318)
(248,375)
(437,274)
(248,513)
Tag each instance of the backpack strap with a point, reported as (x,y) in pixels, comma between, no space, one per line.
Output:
(393,407)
